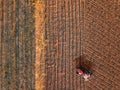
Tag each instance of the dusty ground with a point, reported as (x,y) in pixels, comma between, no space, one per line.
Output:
(40,44)
(22,65)
(72,29)
(93,25)
(17,45)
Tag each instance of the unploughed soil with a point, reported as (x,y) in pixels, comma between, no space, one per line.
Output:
(17,45)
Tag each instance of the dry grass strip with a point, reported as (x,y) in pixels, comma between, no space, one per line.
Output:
(40,43)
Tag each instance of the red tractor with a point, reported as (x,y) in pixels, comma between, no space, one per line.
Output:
(85,73)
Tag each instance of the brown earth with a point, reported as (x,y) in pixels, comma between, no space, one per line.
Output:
(82,28)
(22,44)
(82,31)
(17,45)
(40,44)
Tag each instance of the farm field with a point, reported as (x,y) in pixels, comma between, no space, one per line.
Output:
(90,28)
(41,41)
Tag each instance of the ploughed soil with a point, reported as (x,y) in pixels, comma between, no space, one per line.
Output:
(43,53)
(82,32)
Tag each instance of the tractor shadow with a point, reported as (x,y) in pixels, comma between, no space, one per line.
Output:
(83,61)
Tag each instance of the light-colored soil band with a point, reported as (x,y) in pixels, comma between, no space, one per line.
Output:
(40,43)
